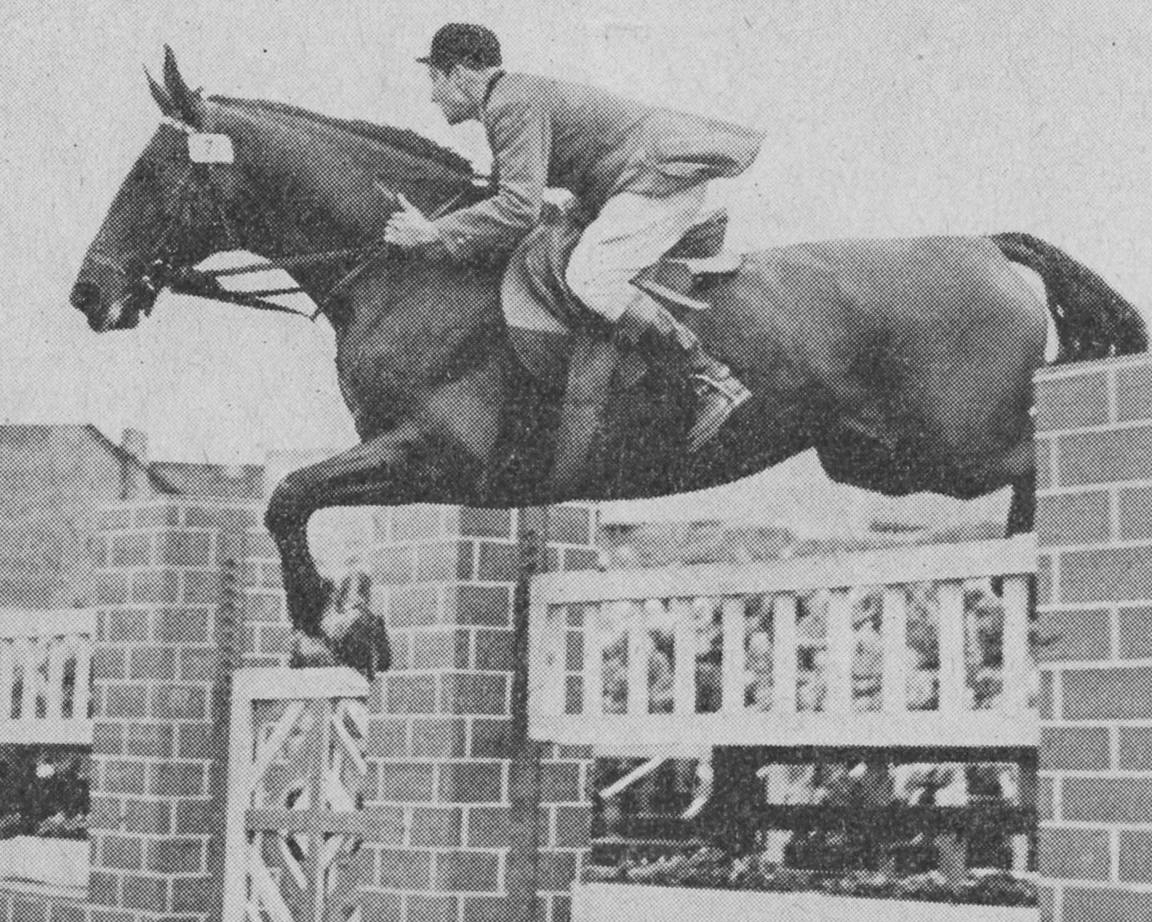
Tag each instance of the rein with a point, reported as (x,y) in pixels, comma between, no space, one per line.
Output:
(206,282)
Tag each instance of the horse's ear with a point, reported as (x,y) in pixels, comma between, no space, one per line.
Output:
(163,100)
(189,105)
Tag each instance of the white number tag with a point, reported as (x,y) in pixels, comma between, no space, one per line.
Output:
(210,148)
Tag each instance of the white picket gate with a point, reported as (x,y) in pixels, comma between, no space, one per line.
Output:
(45,676)
(692,657)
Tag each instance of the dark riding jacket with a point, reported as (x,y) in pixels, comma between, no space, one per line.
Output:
(593,143)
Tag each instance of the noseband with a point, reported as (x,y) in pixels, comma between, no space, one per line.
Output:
(162,273)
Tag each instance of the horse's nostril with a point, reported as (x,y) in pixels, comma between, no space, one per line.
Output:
(85,296)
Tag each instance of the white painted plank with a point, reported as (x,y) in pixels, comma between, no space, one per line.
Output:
(894,633)
(19,622)
(623,734)
(637,632)
(597,902)
(950,630)
(784,654)
(969,560)
(1017,664)
(46,732)
(593,663)
(6,676)
(54,692)
(734,665)
(684,658)
(839,652)
(27,655)
(82,693)
(273,683)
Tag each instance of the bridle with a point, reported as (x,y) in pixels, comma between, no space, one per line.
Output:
(161,273)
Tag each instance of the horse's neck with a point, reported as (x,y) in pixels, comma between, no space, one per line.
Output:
(330,184)
(295,204)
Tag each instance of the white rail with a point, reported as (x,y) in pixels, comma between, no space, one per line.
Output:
(295,769)
(874,649)
(45,676)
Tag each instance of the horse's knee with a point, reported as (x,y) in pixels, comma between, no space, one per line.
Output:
(289,502)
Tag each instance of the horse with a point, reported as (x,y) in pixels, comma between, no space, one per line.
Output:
(906,364)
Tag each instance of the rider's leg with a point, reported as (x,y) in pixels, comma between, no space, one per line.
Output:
(662,339)
(630,233)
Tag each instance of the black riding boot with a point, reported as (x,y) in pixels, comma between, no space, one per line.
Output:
(665,341)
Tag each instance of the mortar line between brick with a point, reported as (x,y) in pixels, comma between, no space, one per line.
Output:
(1104,544)
(1098,885)
(1110,774)
(1096,428)
(1110,388)
(1095,367)
(1114,638)
(1110,664)
(1073,489)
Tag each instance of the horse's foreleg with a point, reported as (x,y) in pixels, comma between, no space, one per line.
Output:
(370,473)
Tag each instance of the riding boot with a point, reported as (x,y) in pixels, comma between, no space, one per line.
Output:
(666,342)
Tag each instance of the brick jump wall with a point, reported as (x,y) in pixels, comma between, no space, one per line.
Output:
(188,591)
(169,578)
(453,776)
(1094,531)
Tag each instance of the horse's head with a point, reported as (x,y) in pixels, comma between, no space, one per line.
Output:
(167,213)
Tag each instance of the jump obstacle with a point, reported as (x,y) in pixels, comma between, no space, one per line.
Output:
(456,787)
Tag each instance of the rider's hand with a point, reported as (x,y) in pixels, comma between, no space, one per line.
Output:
(408,228)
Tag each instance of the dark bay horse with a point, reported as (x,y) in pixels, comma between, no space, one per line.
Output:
(906,364)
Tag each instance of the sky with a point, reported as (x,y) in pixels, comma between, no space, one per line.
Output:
(882,120)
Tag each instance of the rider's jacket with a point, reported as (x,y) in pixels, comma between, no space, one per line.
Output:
(593,143)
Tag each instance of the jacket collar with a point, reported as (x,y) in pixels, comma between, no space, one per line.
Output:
(492,81)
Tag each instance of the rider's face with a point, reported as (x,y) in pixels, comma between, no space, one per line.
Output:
(448,93)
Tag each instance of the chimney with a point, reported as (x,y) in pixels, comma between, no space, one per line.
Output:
(134,476)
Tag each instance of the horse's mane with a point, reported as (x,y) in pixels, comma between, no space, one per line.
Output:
(402,139)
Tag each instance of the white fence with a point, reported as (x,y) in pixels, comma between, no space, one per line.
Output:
(887,648)
(45,676)
(295,771)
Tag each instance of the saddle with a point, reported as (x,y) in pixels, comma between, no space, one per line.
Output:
(542,313)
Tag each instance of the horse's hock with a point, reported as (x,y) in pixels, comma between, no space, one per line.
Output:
(189,593)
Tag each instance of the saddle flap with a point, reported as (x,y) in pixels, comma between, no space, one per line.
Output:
(700,252)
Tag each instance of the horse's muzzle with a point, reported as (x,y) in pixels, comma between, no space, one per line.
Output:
(85,296)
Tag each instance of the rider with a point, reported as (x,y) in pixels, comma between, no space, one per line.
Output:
(640,169)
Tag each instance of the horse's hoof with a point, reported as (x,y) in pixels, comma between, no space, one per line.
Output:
(364,646)
(310,653)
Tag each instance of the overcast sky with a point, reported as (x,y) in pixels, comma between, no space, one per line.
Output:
(915,118)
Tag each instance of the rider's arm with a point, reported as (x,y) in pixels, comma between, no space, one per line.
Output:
(521,139)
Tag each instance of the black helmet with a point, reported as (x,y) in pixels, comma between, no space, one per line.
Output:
(463,43)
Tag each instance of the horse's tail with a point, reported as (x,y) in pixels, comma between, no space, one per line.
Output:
(1093,320)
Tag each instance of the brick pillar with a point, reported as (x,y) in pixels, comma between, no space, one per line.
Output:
(168,575)
(449,779)
(1094,530)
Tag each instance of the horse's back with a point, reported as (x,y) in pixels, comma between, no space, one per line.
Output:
(923,346)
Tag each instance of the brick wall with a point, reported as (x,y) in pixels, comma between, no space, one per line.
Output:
(189,590)
(1094,530)
(451,770)
(168,594)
